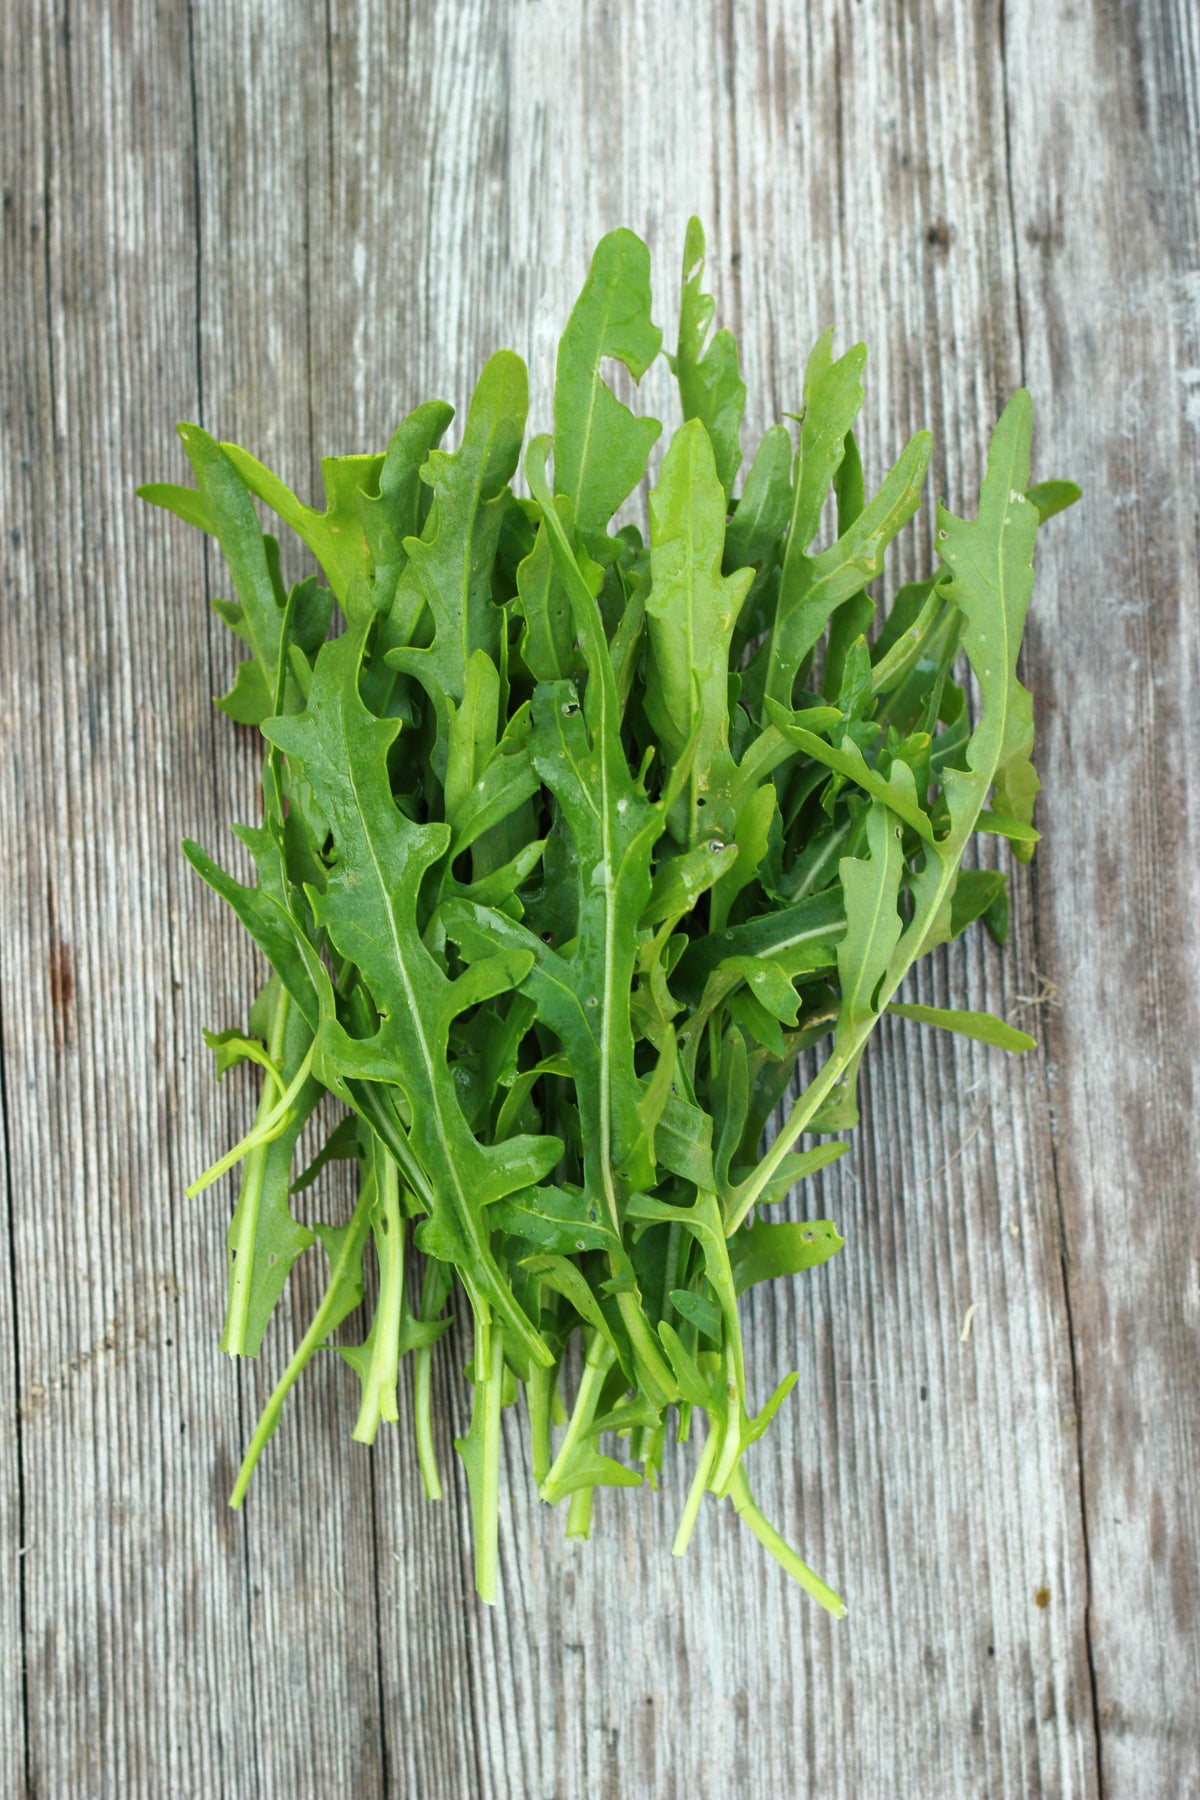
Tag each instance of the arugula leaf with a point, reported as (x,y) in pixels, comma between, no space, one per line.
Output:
(370,910)
(600,448)
(691,611)
(982,1026)
(453,557)
(710,387)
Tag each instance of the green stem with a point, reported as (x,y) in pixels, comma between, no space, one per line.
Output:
(434,1293)
(489,1394)
(808,1103)
(696,1491)
(264,1130)
(905,653)
(731,1436)
(245,1231)
(579,1513)
(423,1410)
(379,1384)
(767,1535)
(598,1362)
(538,1391)
(658,1383)
(314,1337)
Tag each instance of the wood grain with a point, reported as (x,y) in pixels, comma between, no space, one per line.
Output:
(294,222)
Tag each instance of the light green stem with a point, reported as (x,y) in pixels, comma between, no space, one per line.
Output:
(731,1436)
(264,1130)
(423,1410)
(598,1362)
(579,1513)
(805,1108)
(314,1337)
(538,1391)
(241,1250)
(658,1383)
(379,1384)
(767,1535)
(489,1394)
(434,1293)
(696,1492)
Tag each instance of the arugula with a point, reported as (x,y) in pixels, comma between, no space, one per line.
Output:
(571,844)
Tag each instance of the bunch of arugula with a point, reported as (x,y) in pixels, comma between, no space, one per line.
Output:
(571,844)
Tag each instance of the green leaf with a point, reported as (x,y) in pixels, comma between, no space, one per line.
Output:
(699,1311)
(267,921)
(335,537)
(249,701)
(232,511)
(762,1251)
(340,1146)
(453,557)
(559,1273)
(812,587)
(710,387)
(231,1048)
(548,635)
(600,448)
(870,889)
(983,1026)
(991,570)
(794,1169)
(186,503)
(1017,831)
(761,515)
(370,909)
(691,611)
(553,1218)
(791,935)
(898,791)
(979,893)
(769,985)
(1052,497)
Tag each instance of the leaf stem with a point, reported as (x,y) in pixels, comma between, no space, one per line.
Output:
(731,1436)
(379,1383)
(434,1292)
(579,1513)
(658,1382)
(489,1395)
(538,1390)
(696,1491)
(264,1130)
(834,1067)
(599,1360)
(783,1553)
(314,1337)
(244,1230)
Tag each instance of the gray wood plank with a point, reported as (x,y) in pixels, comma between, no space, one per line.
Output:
(1107,187)
(22,374)
(135,1603)
(295,223)
(262,129)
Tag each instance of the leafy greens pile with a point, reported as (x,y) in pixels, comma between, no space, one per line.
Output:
(571,844)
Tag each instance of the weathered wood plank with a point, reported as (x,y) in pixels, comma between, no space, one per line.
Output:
(23,384)
(1107,187)
(134,1590)
(262,128)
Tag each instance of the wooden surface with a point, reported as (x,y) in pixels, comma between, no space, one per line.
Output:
(292,222)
